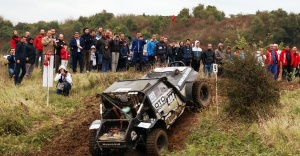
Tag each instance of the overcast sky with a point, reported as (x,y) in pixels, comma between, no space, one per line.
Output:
(36,10)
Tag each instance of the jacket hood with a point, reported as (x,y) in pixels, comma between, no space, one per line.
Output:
(29,38)
(62,67)
(196,42)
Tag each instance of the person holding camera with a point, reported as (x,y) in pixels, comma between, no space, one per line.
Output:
(64,81)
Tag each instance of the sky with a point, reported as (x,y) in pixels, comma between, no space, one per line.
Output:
(32,11)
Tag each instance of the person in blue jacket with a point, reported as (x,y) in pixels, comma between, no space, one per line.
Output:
(76,45)
(150,49)
(137,49)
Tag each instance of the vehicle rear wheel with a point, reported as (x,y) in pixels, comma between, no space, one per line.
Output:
(94,148)
(201,93)
(157,142)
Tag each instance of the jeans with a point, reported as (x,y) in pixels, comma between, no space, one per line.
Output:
(18,76)
(65,91)
(208,69)
(114,62)
(11,72)
(65,63)
(39,54)
(105,65)
(273,70)
(161,61)
(122,62)
(138,55)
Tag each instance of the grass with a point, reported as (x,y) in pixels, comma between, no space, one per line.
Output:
(26,122)
(225,135)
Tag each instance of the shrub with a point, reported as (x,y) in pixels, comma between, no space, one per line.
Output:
(250,89)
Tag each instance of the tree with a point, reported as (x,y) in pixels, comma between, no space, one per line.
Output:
(53,25)
(199,11)
(100,19)
(257,29)
(184,13)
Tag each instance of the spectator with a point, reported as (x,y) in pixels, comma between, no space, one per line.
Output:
(15,39)
(99,47)
(49,43)
(27,34)
(88,42)
(106,57)
(137,49)
(239,53)
(178,55)
(76,45)
(11,63)
(94,40)
(20,58)
(99,33)
(208,58)
(30,57)
(123,56)
(186,52)
(92,58)
(272,60)
(296,61)
(150,49)
(219,54)
(161,52)
(59,45)
(260,57)
(172,50)
(279,66)
(115,46)
(197,51)
(64,55)
(64,81)
(39,48)
(287,60)
(228,55)
(53,34)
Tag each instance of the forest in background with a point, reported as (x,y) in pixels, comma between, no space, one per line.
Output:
(204,23)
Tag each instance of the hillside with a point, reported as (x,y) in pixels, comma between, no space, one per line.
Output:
(29,127)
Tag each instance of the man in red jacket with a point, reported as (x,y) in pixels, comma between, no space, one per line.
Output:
(287,60)
(296,61)
(39,48)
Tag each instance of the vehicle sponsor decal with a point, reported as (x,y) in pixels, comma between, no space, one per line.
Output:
(171,98)
(111,144)
(133,135)
(184,76)
(152,97)
(165,100)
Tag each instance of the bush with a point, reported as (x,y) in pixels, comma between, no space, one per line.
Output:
(250,89)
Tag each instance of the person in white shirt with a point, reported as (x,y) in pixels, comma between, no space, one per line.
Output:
(64,81)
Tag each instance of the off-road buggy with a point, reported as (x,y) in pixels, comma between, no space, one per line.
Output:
(138,112)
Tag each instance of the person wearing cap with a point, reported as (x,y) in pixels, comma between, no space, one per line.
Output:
(30,56)
(64,80)
(20,58)
(197,52)
(59,45)
(92,58)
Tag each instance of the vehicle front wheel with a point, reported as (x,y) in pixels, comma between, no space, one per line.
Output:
(157,142)
(94,148)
